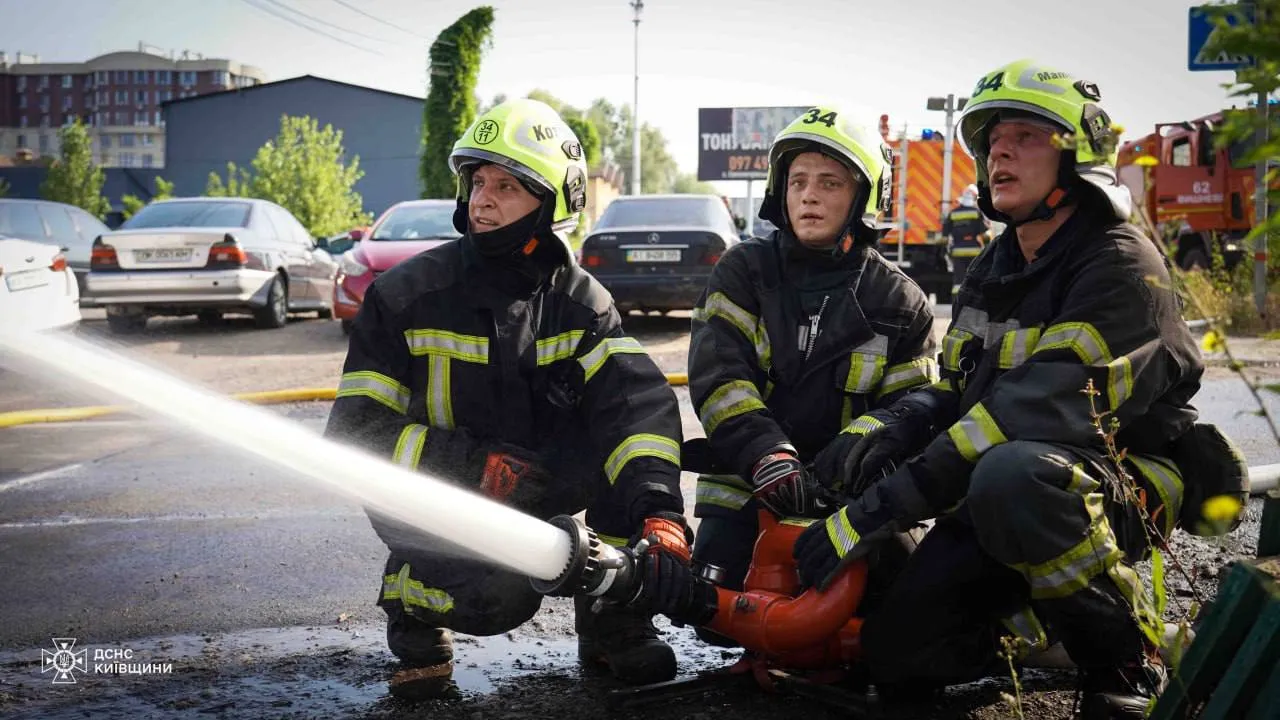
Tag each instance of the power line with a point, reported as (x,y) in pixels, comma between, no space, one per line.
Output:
(353,8)
(271,11)
(315,19)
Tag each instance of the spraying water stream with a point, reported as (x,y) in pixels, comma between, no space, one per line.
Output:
(496,532)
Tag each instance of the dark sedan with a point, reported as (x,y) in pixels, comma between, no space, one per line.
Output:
(655,252)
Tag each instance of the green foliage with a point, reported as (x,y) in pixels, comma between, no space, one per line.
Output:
(4,187)
(587,136)
(132,203)
(657,167)
(73,177)
(303,171)
(451,102)
(689,183)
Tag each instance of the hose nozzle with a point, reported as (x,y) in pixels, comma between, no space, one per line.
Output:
(593,567)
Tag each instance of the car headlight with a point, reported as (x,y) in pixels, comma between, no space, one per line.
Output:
(349,265)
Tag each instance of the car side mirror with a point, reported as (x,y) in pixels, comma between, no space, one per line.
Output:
(322,244)
(356,235)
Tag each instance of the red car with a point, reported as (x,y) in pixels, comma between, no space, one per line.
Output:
(403,231)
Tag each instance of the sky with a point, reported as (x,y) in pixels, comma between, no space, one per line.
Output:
(867,57)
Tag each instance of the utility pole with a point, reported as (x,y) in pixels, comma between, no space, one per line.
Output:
(1261,212)
(636,5)
(950,105)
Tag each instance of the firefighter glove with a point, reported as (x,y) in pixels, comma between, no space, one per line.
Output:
(667,531)
(781,484)
(670,587)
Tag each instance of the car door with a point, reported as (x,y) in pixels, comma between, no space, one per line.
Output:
(297,250)
(320,267)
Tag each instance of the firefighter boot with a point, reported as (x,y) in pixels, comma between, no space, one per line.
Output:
(426,661)
(623,640)
(1124,692)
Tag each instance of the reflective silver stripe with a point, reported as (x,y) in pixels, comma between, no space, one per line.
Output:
(1119,382)
(1072,570)
(594,360)
(412,592)
(714,493)
(1082,483)
(1016,346)
(997,330)
(952,346)
(367,383)
(921,371)
(641,445)
(559,347)
(972,321)
(408,452)
(1026,627)
(866,365)
(1167,481)
(1079,337)
(863,425)
(841,532)
(976,433)
(439,401)
(468,348)
(764,350)
(731,399)
(719,304)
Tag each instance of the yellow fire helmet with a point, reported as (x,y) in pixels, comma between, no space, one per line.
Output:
(841,136)
(1030,90)
(530,140)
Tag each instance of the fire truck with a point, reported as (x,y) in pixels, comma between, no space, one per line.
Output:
(915,243)
(1199,195)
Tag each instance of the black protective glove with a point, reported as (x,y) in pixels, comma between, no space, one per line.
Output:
(825,548)
(782,484)
(875,444)
(669,587)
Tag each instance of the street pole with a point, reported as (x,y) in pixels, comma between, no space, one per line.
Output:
(636,5)
(1260,209)
(751,215)
(946,161)
(904,152)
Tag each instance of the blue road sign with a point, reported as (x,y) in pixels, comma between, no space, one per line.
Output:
(1200,28)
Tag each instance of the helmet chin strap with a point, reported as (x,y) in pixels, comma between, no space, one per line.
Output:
(1045,209)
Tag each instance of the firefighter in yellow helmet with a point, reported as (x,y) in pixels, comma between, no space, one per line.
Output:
(966,231)
(799,341)
(1035,537)
(495,362)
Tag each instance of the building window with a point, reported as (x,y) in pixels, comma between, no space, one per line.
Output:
(122,118)
(159,119)
(22,121)
(163,96)
(44,83)
(187,78)
(141,97)
(145,140)
(104,98)
(128,159)
(104,141)
(66,102)
(44,143)
(22,83)
(126,140)
(69,119)
(22,141)
(44,121)
(44,103)
(148,160)
(164,77)
(139,77)
(88,82)
(66,82)
(142,118)
(101,77)
(220,78)
(22,105)
(122,77)
(122,97)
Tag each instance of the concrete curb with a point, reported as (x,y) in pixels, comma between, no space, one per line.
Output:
(266,397)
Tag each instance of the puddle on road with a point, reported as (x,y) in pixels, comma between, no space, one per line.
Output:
(294,672)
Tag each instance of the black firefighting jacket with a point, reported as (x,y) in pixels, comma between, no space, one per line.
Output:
(963,227)
(1025,341)
(789,346)
(437,347)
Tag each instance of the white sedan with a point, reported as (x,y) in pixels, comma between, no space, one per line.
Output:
(37,289)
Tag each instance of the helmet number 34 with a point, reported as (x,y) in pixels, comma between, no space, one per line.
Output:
(992,82)
(813,116)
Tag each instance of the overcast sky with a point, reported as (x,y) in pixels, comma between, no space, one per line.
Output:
(869,56)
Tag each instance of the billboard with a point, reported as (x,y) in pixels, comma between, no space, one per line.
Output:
(733,143)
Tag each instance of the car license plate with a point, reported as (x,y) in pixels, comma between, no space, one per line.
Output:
(26,280)
(653,256)
(162,255)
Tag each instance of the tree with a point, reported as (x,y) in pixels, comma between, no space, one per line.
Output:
(73,178)
(1259,40)
(587,137)
(689,183)
(451,104)
(132,203)
(657,168)
(303,171)
(4,188)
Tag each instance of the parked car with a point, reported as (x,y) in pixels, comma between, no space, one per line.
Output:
(655,252)
(62,226)
(209,256)
(38,291)
(403,231)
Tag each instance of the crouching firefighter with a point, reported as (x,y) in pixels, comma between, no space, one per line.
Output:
(966,231)
(1037,528)
(797,335)
(495,362)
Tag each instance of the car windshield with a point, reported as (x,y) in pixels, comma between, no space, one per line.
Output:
(190,214)
(417,222)
(20,220)
(698,211)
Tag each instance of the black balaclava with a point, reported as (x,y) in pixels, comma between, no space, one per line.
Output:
(519,257)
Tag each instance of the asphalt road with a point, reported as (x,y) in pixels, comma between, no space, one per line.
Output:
(254,583)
